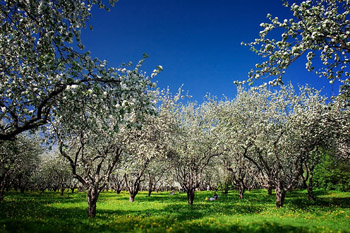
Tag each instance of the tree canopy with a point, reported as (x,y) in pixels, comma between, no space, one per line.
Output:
(43,63)
(318,29)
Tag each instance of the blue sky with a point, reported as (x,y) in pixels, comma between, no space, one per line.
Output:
(198,42)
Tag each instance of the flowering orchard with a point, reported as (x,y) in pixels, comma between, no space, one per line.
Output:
(112,129)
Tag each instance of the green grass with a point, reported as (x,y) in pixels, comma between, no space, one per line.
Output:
(49,212)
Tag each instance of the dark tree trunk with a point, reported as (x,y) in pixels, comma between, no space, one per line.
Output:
(20,185)
(2,195)
(241,192)
(72,190)
(92,200)
(226,188)
(118,187)
(280,195)
(134,188)
(42,190)
(3,184)
(310,193)
(269,191)
(62,191)
(190,196)
(150,187)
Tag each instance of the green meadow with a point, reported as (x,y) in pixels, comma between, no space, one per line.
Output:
(50,212)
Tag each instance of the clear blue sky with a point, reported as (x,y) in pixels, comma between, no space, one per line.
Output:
(198,42)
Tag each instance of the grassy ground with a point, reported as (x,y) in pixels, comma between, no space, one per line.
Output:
(49,212)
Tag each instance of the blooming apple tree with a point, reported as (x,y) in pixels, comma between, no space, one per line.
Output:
(274,132)
(236,128)
(319,29)
(18,161)
(192,146)
(145,149)
(86,129)
(42,60)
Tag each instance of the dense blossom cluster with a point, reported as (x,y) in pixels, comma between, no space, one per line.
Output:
(43,66)
(317,29)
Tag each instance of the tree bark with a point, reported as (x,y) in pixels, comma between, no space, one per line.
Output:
(62,191)
(241,192)
(190,196)
(42,190)
(132,197)
(280,195)
(226,188)
(269,191)
(92,200)
(310,193)
(133,192)
(150,187)
(134,188)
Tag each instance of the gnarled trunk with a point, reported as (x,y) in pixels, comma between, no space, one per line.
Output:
(310,193)
(190,196)
(150,187)
(131,197)
(92,200)
(42,190)
(280,195)
(226,188)
(241,192)
(133,191)
(134,187)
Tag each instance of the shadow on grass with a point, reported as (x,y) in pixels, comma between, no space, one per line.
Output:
(323,199)
(232,197)
(175,217)
(50,212)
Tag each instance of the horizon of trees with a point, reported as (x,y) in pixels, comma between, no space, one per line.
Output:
(264,138)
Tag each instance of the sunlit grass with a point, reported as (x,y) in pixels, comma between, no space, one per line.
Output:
(49,212)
